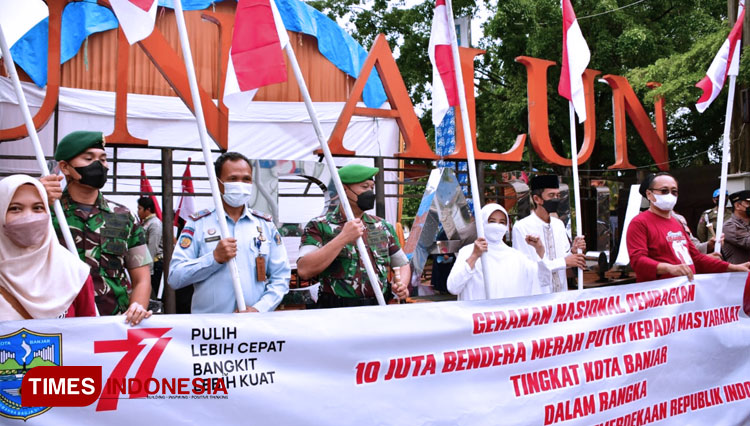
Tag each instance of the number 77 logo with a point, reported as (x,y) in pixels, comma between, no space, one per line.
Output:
(132,346)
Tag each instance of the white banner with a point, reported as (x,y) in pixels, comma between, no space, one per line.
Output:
(665,352)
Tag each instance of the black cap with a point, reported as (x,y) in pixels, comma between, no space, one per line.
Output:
(739,196)
(646,184)
(544,181)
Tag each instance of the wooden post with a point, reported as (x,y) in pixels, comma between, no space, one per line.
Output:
(380,188)
(167,215)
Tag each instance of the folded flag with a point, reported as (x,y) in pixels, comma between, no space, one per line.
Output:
(146,188)
(576,57)
(136,17)
(186,206)
(444,86)
(255,58)
(729,53)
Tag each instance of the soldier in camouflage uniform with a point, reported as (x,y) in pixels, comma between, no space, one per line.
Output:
(327,249)
(106,234)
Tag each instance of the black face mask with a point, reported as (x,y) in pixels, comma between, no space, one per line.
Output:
(93,175)
(551,205)
(366,200)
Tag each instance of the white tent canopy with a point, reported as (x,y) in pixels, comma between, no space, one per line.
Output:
(268,130)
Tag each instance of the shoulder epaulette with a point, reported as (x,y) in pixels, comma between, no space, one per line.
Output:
(261,215)
(113,203)
(197,215)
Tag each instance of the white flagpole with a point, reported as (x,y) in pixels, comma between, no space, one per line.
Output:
(198,108)
(31,129)
(724,164)
(361,248)
(576,189)
(469,141)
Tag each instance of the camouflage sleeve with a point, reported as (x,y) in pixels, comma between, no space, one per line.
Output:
(393,243)
(137,235)
(311,236)
(138,254)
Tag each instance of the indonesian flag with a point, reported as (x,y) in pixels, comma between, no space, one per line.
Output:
(186,206)
(444,86)
(576,56)
(717,73)
(136,17)
(255,58)
(146,187)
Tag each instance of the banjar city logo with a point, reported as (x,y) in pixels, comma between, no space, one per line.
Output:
(21,352)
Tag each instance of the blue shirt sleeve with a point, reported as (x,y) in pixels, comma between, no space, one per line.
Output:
(189,263)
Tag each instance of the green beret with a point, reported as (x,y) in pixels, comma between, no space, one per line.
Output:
(356,173)
(78,142)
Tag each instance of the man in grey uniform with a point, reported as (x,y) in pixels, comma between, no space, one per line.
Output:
(201,255)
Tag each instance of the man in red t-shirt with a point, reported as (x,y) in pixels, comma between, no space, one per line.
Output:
(657,244)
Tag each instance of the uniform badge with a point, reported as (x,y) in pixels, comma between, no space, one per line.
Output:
(261,237)
(277,238)
(185,241)
(211,231)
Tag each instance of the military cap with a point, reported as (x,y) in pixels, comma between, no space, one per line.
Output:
(718,192)
(544,181)
(78,142)
(356,173)
(739,196)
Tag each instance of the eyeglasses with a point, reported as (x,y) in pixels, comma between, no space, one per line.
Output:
(664,191)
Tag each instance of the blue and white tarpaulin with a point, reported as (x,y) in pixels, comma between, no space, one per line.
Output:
(81,19)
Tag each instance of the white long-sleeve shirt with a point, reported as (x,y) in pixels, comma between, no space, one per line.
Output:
(553,264)
(511,275)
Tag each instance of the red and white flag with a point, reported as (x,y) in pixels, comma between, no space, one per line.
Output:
(136,17)
(186,206)
(576,57)
(255,58)
(717,73)
(145,188)
(444,86)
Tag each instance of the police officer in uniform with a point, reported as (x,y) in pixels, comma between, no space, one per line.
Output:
(736,247)
(328,248)
(107,236)
(707,222)
(202,253)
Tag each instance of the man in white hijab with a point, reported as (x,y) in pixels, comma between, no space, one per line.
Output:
(39,278)
(514,274)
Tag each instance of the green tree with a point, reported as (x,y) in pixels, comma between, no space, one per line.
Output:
(668,41)
(665,41)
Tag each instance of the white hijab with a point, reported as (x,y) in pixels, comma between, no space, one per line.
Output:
(44,280)
(519,275)
(494,250)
